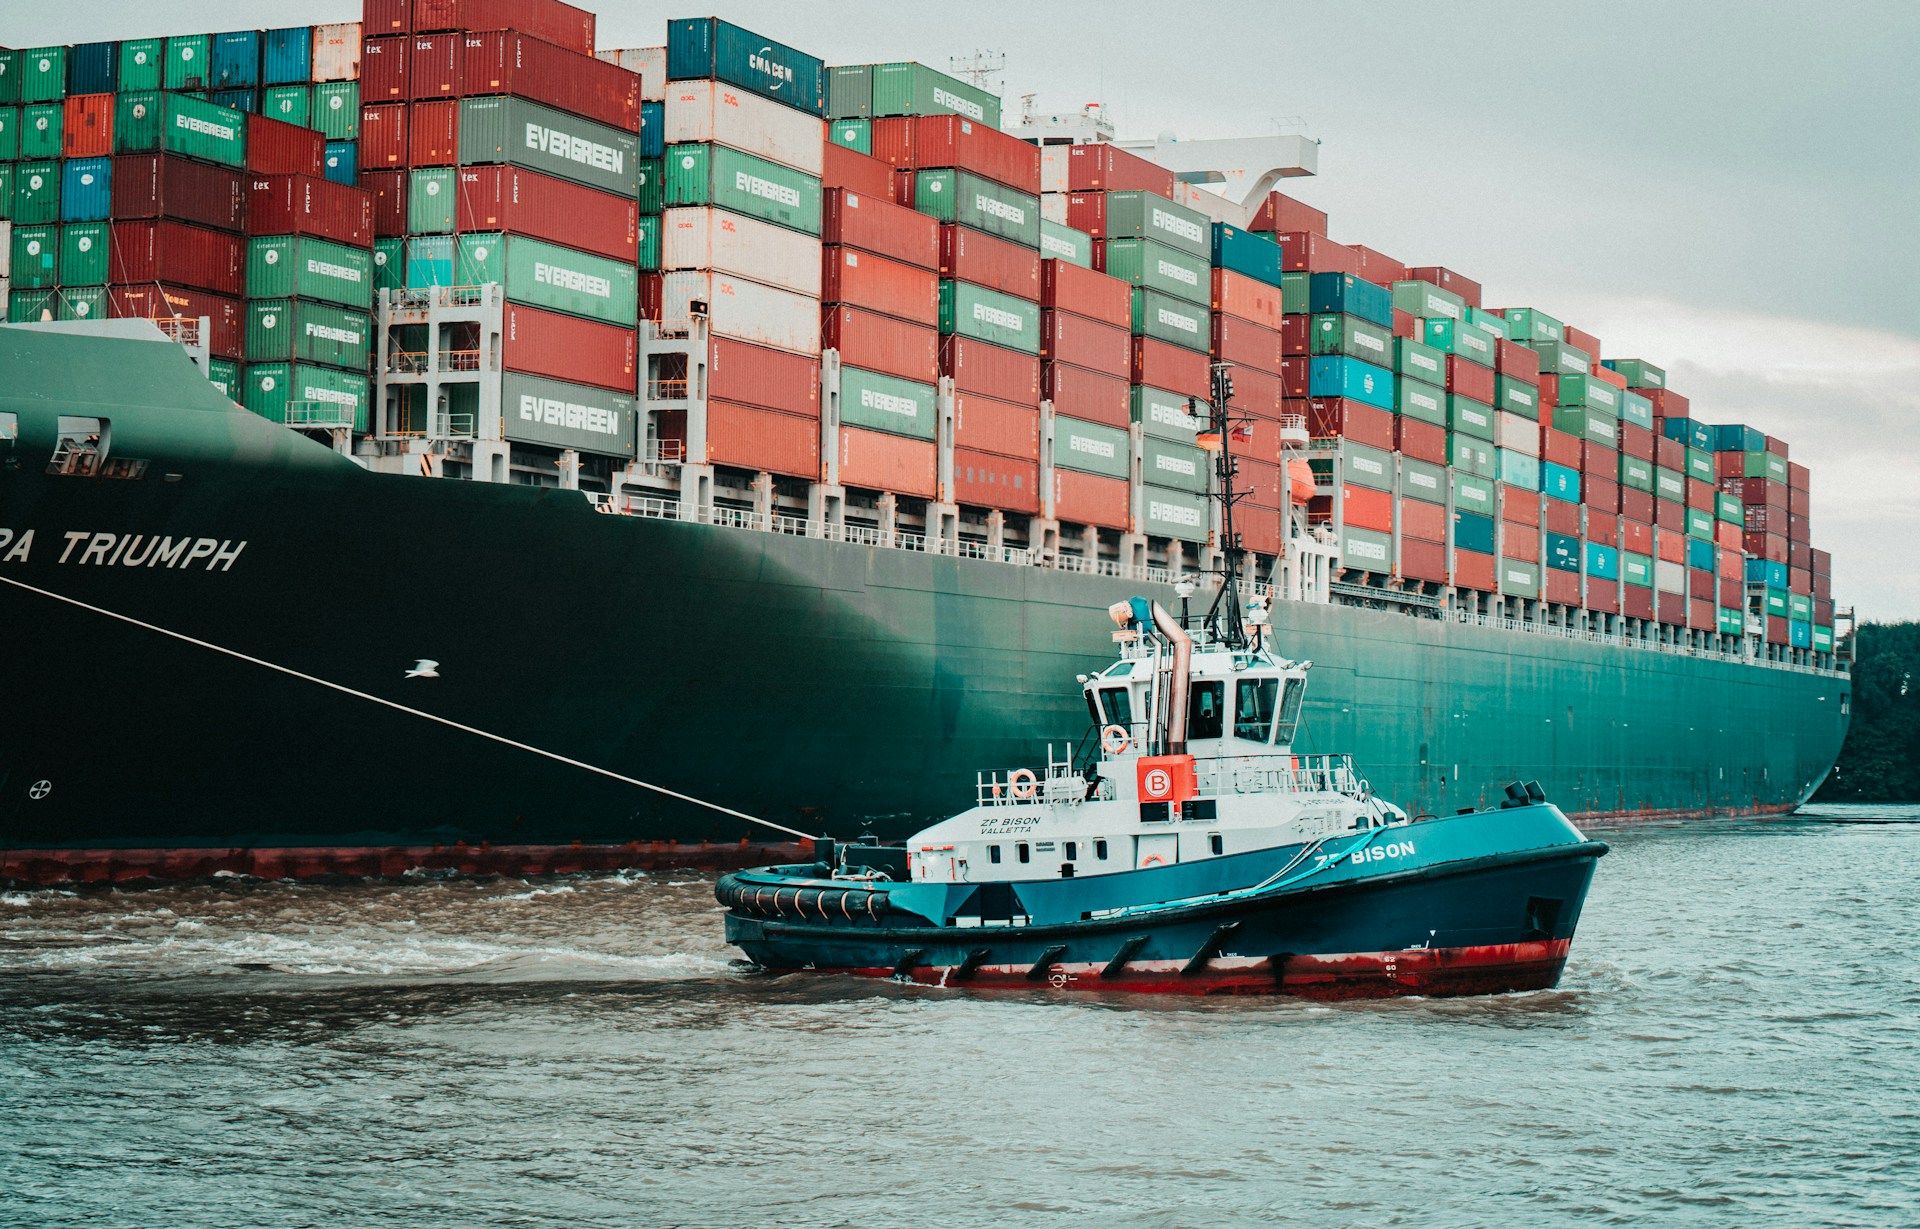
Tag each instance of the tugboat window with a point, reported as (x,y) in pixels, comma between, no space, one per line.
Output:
(1023,852)
(1215,843)
(993,853)
(1253,709)
(1290,701)
(1100,850)
(1207,710)
(1118,706)
(1073,850)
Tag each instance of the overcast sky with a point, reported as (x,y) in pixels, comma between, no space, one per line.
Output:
(1729,190)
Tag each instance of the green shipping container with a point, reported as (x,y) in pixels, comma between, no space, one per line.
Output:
(32,306)
(987,315)
(177,124)
(1516,469)
(1171,320)
(729,179)
(1589,391)
(647,255)
(1762,465)
(294,266)
(9,76)
(290,104)
(889,403)
(1457,337)
(6,190)
(1519,578)
(1727,508)
(1418,400)
(1669,484)
(82,303)
(1516,398)
(1472,494)
(1366,549)
(849,93)
(1560,359)
(336,110)
(9,133)
(1174,466)
(1639,373)
(1635,409)
(1799,608)
(40,130)
(1466,416)
(1367,466)
(1418,361)
(1497,325)
(1777,603)
(299,394)
(1143,215)
(1167,415)
(1065,243)
(1470,454)
(430,201)
(1699,524)
(503,129)
(1296,293)
(43,74)
(1700,465)
(1423,481)
(36,192)
(556,278)
(1594,426)
(1428,301)
(1732,622)
(650,185)
(389,264)
(36,257)
(283,330)
(189,66)
(855,134)
(566,415)
(915,89)
(1822,639)
(966,198)
(141,66)
(1174,514)
(1155,266)
(1636,474)
(83,254)
(1531,327)
(224,374)
(1353,337)
(1093,448)
(1636,569)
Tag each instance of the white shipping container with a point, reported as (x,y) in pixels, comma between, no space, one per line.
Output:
(649,62)
(1669,577)
(707,238)
(1516,434)
(336,51)
(727,115)
(1053,207)
(6,251)
(742,310)
(1053,168)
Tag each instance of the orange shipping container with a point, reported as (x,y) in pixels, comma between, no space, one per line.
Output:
(1520,542)
(1367,509)
(1608,375)
(999,427)
(87,127)
(1088,499)
(875,460)
(748,438)
(1670,546)
(1235,294)
(985,481)
(1425,521)
(1260,482)
(1472,570)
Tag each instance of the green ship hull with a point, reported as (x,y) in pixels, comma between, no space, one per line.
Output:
(829,687)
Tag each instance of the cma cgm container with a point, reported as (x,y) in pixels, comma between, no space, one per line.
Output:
(526,134)
(506,62)
(709,48)
(522,202)
(705,111)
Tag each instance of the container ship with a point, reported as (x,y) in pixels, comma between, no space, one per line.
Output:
(425,440)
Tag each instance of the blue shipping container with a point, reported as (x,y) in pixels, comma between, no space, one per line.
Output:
(1244,252)
(1349,377)
(239,100)
(1700,554)
(1560,482)
(1343,292)
(1732,437)
(343,161)
(653,130)
(288,56)
(1766,572)
(1517,469)
(93,68)
(1687,431)
(86,189)
(1603,562)
(1473,532)
(702,48)
(1563,552)
(236,60)
(1800,635)
(429,261)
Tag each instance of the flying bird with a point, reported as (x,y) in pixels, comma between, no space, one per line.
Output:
(424,669)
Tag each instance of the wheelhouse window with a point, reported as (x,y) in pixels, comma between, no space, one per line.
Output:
(1290,701)
(1023,852)
(1253,708)
(993,853)
(1206,710)
(1116,707)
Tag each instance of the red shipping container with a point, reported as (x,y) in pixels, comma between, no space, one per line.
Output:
(1700,495)
(1517,504)
(1822,605)
(1800,581)
(521,202)
(1560,447)
(433,133)
(875,224)
(1259,529)
(310,205)
(850,169)
(1798,476)
(1636,441)
(747,437)
(1246,345)
(1799,555)
(1603,528)
(1757,490)
(887,286)
(433,67)
(1733,593)
(1280,212)
(383,137)
(1560,516)
(1091,396)
(991,371)
(1422,560)
(1236,294)
(1174,368)
(1447,279)
(983,480)
(163,186)
(1296,335)
(388,192)
(916,141)
(1703,616)
(1256,392)
(1363,424)
(1700,584)
(1636,504)
(1730,565)
(86,128)
(562,347)
(1089,499)
(383,69)
(1067,338)
(547,20)
(1769,546)
(983,424)
(1085,292)
(1366,508)
(1473,570)
(379,17)
(1600,494)
(1406,324)
(1598,461)
(1562,588)
(1259,481)
(1822,562)
(1378,267)
(1798,502)
(1603,595)
(1669,454)
(1636,602)
(1423,441)
(1670,608)
(1470,379)
(877,461)
(873,342)
(278,148)
(163,250)
(1516,362)
(1108,168)
(1670,546)
(510,62)
(764,378)
(151,301)
(1670,514)
(1667,403)
(1777,446)
(1311,253)
(1296,377)
(967,255)
(1519,541)
(1582,340)
(1607,375)
(1420,519)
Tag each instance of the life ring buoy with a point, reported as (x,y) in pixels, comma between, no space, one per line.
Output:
(1115,740)
(1152,859)
(1021,783)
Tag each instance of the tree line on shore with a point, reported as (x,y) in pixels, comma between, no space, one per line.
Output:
(1881,759)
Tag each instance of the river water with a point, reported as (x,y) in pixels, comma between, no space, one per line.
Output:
(1736,1042)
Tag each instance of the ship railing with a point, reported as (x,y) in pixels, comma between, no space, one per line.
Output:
(460,360)
(1059,784)
(317,414)
(1278,774)
(672,389)
(1594,636)
(183,330)
(407,362)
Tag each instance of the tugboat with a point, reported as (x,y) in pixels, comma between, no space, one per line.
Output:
(1188,850)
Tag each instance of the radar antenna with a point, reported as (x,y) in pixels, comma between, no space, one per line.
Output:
(980,67)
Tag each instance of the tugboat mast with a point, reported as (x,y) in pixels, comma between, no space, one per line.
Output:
(1225,623)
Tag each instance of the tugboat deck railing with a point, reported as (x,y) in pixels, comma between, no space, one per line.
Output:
(1216,776)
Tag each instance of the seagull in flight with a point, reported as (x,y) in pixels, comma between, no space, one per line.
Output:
(425,668)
